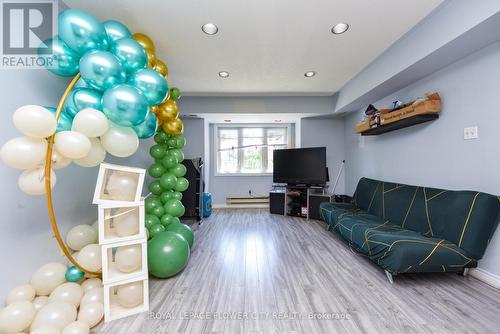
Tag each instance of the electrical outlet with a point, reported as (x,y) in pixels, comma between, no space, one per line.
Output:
(471,132)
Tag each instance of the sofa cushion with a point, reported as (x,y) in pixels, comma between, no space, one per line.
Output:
(330,212)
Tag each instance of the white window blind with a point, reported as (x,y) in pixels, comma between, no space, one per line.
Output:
(248,149)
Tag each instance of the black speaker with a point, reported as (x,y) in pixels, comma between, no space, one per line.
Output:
(314,202)
(277,202)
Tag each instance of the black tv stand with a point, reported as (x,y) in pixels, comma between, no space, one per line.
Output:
(297,200)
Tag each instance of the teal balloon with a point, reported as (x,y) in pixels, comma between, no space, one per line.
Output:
(81,31)
(169,161)
(73,274)
(64,122)
(182,184)
(148,128)
(168,181)
(101,70)
(182,229)
(65,61)
(151,83)
(174,208)
(155,188)
(82,98)
(116,30)
(178,170)
(177,153)
(125,105)
(168,254)
(80,83)
(130,53)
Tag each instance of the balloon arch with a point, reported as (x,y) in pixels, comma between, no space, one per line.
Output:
(119,94)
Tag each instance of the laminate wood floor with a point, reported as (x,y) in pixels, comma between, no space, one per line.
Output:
(252,272)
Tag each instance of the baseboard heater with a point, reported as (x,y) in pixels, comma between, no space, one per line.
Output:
(250,200)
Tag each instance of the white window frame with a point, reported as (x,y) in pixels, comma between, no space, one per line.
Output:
(215,155)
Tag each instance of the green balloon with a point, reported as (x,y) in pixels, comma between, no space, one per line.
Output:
(179,170)
(155,229)
(167,219)
(158,211)
(177,153)
(180,141)
(175,93)
(150,220)
(176,220)
(158,151)
(169,161)
(184,230)
(168,181)
(176,195)
(155,187)
(175,208)
(171,142)
(168,254)
(166,195)
(151,203)
(182,184)
(156,170)
(161,137)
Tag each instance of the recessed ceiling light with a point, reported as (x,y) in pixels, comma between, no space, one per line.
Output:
(309,74)
(209,28)
(340,28)
(224,74)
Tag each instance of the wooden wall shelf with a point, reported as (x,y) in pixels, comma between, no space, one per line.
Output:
(404,123)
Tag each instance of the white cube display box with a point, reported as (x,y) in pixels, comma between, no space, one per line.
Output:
(123,223)
(117,185)
(124,260)
(125,298)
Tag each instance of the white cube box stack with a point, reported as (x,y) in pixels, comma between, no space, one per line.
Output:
(123,240)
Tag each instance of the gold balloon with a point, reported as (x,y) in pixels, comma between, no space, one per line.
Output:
(151,59)
(154,109)
(168,110)
(173,127)
(161,67)
(145,41)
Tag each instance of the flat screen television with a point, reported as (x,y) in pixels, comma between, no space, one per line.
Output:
(300,166)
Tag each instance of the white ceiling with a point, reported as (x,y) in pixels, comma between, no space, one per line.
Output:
(266,45)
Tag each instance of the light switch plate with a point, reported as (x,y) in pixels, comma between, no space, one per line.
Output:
(471,132)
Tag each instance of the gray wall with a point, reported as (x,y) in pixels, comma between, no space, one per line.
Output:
(329,133)
(194,134)
(435,154)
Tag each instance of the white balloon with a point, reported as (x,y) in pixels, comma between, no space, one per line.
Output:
(96,155)
(40,302)
(122,186)
(120,141)
(19,293)
(128,258)
(35,121)
(24,152)
(16,317)
(90,122)
(91,283)
(95,225)
(77,327)
(72,144)
(81,236)
(131,294)
(46,330)
(75,257)
(32,181)
(68,292)
(125,222)
(48,277)
(58,160)
(90,257)
(93,295)
(55,314)
(91,313)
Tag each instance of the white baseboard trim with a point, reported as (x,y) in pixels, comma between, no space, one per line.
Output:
(240,206)
(486,277)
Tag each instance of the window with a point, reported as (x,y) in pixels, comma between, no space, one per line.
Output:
(248,149)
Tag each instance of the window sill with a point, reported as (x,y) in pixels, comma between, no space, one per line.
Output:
(243,174)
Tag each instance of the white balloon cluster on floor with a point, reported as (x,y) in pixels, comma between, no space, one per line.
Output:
(86,144)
